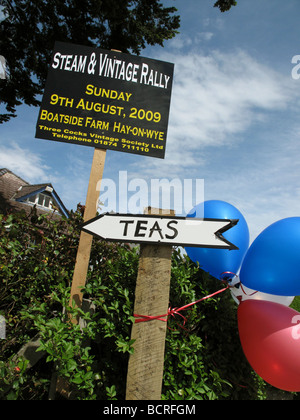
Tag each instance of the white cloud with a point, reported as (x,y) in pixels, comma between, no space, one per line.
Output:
(24,163)
(184,42)
(216,98)
(205,36)
(264,184)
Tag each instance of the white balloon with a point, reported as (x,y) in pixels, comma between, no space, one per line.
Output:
(240,293)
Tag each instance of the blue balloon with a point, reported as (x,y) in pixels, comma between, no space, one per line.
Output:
(218,261)
(272,263)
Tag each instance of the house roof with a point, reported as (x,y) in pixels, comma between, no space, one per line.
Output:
(14,192)
(27,190)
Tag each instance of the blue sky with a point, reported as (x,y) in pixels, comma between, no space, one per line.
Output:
(234,116)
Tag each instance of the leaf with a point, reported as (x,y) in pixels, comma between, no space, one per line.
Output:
(77,379)
(71,365)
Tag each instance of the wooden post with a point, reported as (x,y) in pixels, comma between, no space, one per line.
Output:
(85,241)
(146,364)
(59,384)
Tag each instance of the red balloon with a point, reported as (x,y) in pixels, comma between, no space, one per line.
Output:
(270,338)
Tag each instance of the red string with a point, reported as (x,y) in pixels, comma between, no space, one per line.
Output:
(243,290)
(223,275)
(175,311)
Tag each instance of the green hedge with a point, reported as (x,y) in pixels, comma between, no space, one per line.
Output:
(203,360)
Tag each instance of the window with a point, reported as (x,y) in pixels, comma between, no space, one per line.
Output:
(42,200)
(32,199)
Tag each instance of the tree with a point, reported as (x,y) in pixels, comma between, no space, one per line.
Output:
(29,28)
(225,5)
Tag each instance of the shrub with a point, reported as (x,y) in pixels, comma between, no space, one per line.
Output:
(203,360)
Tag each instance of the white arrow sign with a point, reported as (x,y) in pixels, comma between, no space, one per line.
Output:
(181,231)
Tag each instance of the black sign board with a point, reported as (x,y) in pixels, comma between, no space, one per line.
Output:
(106,99)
